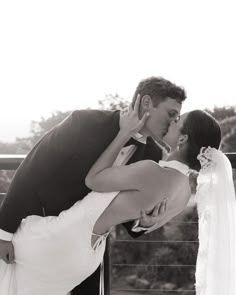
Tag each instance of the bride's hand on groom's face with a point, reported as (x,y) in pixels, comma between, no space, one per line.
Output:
(130,122)
(149,219)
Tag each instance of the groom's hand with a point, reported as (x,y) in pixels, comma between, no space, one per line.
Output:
(7,251)
(148,219)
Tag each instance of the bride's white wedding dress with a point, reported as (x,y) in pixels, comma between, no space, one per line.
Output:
(55,254)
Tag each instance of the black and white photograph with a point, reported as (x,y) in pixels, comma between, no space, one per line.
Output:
(117,147)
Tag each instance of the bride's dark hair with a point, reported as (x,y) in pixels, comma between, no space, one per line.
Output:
(203,131)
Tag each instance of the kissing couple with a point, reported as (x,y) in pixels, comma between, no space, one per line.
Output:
(98,169)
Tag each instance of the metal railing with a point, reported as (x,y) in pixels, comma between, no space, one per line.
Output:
(131,268)
(11,162)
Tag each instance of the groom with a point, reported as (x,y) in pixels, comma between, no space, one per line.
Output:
(52,176)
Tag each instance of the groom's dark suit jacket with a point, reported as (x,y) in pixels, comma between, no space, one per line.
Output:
(52,176)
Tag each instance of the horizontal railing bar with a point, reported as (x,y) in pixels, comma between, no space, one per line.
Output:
(151,290)
(151,265)
(150,241)
(182,222)
(12,161)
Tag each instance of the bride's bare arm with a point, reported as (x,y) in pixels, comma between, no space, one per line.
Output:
(130,177)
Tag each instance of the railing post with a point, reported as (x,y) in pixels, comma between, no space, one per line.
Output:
(107,267)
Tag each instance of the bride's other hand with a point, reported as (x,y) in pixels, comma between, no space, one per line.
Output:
(130,123)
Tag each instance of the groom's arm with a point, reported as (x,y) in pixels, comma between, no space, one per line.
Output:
(71,138)
(46,157)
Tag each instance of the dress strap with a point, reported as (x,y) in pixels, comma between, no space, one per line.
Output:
(100,240)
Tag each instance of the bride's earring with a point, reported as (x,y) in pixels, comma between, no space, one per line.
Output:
(177,148)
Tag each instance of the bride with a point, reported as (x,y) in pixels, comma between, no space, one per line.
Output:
(56,253)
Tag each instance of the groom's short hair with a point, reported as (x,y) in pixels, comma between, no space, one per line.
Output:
(159,89)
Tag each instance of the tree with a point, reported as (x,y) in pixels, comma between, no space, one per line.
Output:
(113,102)
(221,113)
(40,128)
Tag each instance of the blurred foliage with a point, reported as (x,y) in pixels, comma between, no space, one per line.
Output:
(227,119)
(113,102)
(228,127)
(221,113)
(38,129)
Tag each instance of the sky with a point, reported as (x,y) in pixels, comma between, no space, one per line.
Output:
(66,55)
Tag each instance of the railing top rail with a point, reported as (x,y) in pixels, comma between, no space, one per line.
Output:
(10,156)
(12,161)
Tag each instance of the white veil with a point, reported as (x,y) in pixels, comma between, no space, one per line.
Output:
(215,197)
